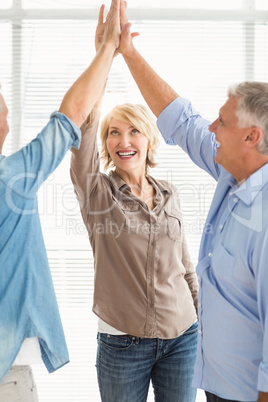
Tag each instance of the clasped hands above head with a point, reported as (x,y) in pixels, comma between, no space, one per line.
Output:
(115,29)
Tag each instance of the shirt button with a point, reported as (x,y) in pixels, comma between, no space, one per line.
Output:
(221,227)
(210,254)
(199,331)
(235,199)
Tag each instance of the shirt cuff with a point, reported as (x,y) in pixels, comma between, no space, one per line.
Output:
(263,378)
(176,113)
(70,127)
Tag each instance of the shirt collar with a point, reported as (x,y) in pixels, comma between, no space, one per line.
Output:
(159,184)
(249,190)
(119,183)
(116,180)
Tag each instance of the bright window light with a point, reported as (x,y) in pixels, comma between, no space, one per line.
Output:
(261,4)
(5,4)
(154,4)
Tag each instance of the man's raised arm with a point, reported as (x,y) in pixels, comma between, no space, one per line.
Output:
(156,92)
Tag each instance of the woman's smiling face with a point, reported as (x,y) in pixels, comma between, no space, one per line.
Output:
(127,146)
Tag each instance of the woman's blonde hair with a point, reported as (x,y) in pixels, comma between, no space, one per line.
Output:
(139,117)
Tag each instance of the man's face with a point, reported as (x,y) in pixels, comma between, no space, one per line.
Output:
(230,138)
(4,127)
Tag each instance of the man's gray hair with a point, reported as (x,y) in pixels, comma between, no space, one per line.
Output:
(252,108)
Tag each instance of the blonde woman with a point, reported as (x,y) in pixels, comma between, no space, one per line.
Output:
(145,291)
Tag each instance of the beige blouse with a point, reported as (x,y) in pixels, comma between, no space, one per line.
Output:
(145,283)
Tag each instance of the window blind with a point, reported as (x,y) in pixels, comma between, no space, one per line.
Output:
(40,58)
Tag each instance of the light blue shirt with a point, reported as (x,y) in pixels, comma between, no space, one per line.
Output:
(28,306)
(232,356)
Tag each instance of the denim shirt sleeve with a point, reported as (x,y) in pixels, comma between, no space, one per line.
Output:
(180,124)
(26,170)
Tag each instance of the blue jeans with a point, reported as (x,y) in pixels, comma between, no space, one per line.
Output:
(126,364)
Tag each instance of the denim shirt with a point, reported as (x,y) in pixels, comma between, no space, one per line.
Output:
(232,356)
(27,298)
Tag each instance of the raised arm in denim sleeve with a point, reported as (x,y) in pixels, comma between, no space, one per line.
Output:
(28,168)
(180,124)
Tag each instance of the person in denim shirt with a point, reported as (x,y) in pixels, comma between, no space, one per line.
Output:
(28,303)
